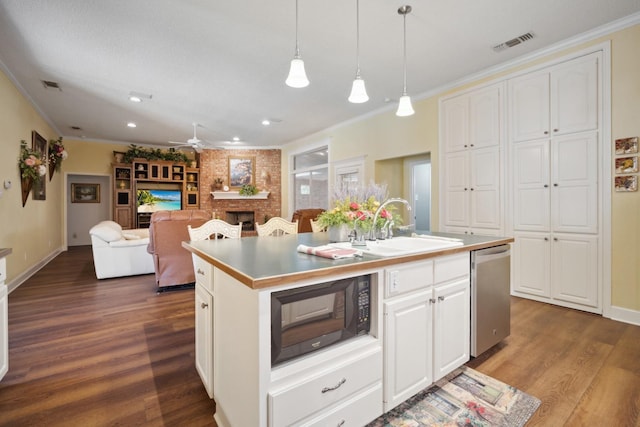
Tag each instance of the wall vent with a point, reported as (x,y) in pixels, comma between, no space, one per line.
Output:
(48,84)
(513,42)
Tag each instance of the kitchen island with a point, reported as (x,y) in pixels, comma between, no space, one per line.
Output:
(418,302)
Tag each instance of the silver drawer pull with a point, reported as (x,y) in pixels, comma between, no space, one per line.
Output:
(341,423)
(200,272)
(440,298)
(326,389)
(204,305)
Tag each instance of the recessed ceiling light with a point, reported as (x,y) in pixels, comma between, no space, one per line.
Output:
(131,125)
(138,96)
(266,122)
(236,139)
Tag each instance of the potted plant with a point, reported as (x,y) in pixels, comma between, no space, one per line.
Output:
(248,190)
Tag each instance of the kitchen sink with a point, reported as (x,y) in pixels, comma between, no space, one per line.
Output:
(403,245)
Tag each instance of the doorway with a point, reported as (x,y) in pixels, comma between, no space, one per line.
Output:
(82,216)
(419,181)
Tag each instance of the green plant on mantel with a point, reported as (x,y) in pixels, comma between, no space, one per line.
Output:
(137,152)
(248,190)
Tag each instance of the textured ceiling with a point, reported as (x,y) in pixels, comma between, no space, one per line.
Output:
(223,64)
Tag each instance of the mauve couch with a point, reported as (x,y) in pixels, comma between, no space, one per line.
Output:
(172,262)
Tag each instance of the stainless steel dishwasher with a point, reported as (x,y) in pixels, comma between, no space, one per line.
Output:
(490,297)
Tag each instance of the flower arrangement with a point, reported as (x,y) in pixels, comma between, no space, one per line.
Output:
(248,190)
(57,153)
(358,206)
(30,164)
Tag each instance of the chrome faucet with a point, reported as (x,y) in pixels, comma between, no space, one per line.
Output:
(373,234)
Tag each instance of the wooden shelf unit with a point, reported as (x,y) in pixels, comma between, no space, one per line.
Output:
(127,178)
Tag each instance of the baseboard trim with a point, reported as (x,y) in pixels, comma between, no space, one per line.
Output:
(625,315)
(19,280)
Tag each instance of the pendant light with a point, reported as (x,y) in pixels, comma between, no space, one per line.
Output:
(404,105)
(358,90)
(297,76)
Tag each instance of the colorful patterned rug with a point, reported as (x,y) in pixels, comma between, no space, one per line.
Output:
(463,398)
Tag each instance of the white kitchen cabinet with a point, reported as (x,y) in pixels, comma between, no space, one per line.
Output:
(204,322)
(472,120)
(4,320)
(204,337)
(558,100)
(472,198)
(408,346)
(471,129)
(452,303)
(427,331)
(556,189)
(561,268)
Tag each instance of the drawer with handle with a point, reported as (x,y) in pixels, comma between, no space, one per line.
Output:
(305,398)
(203,272)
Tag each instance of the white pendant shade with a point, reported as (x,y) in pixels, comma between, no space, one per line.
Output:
(404,107)
(297,76)
(358,92)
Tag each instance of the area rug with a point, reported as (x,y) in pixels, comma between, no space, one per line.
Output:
(463,398)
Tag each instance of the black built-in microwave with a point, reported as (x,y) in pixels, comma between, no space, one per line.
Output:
(313,317)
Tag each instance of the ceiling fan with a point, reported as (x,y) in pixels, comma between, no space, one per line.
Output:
(197,144)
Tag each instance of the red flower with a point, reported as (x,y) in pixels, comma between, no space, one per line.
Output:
(354,206)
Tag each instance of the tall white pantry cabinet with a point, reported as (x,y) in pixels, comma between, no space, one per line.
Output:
(552,158)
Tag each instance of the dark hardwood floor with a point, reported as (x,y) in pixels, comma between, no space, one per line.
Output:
(85,352)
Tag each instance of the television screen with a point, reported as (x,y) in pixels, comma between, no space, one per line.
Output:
(159,200)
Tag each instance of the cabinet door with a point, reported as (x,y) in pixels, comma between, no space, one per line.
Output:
(531,259)
(456,195)
(408,351)
(484,118)
(4,329)
(455,123)
(574,96)
(574,268)
(529,106)
(204,337)
(574,195)
(484,189)
(530,178)
(122,215)
(452,325)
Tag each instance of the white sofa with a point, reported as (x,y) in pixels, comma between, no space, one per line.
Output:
(118,252)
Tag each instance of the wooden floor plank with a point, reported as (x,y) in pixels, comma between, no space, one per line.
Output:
(88,352)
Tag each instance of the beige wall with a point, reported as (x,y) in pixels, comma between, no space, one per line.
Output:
(34,231)
(386,136)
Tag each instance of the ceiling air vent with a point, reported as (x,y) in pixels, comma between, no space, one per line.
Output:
(48,84)
(513,42)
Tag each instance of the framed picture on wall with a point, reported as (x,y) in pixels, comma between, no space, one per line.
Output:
(40,145)
(242,171)
(627,145)
(626,183)
(85,193)
(627,164)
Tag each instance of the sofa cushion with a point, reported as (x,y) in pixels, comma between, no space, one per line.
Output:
(108,231)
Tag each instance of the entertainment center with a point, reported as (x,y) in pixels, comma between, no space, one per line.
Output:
(158,184)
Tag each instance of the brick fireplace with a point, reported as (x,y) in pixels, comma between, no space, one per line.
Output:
(215,164)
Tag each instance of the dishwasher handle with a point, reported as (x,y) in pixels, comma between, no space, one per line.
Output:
(490,254)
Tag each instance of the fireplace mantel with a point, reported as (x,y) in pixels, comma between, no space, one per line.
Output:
(236,195)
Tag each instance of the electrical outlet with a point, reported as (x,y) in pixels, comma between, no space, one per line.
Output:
(75,235)
(393,280)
